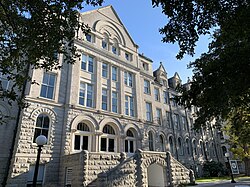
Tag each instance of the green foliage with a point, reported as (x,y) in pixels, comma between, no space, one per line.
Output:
(37,30)
(238,130)
(213,169)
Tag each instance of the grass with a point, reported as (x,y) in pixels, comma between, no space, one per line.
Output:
(214,179)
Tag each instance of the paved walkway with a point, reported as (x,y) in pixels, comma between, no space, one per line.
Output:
(243,182)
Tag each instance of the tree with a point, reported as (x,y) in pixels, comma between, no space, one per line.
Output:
(220,86)
(32,33)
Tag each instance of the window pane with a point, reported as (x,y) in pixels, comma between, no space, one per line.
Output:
(52,80)
(45,78)
(36,134)
(126,146)
(111,145)
(50,92)
(84,61)
(77,142)
(114,73)
(91,65)
(131,146)
(103,144)
(43,91)
(85,142)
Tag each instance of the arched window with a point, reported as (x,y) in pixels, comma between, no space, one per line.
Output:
(188,146)
(180,147)
(151,141)
(42,126)
(171,145)
(207,148)
(115,47)
(82,137)
(108,139)
(213,149)
(105,42)
(195,147)
(130,142)
(201,148)
(162,143)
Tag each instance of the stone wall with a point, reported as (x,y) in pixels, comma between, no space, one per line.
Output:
(113,169)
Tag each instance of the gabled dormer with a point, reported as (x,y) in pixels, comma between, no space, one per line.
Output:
(161,75)
(174,81)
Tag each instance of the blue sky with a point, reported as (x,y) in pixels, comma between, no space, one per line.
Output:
(143,22)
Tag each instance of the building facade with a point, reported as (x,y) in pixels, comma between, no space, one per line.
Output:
(104,114)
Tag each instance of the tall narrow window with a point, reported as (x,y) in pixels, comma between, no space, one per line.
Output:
(48,85)
(188,146)
(146,87)
(151,141)
(86,94)
(171,145)
(148,111)
(128,78)
(158,116)
(4,81)
(104,99)
(184,122)
(81,141)
(87,63)
(105,70)
(195,147)
(165,96)
(168,116)
(162,143)
(129,105)
(114,73)
(115,48)
(157,94)
(114,102)
(202,148)
(130,142)
(108,139)
(177,121)
(105,42)
(180,147)
(42,126)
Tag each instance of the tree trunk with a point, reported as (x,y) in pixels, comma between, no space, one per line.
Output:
(247,166)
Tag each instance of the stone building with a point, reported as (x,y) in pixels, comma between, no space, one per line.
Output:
(109,119)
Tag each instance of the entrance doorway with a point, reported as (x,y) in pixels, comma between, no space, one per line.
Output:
(156,176)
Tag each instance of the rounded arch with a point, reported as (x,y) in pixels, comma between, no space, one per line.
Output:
(112,122)
(51,113)
(91,122)
(109,27)
(134,128)
(154,160)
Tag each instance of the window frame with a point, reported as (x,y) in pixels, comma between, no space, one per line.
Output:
(147,89)
(105,70)
(47,86)
(89,65)
(157,94)
(86,91)
(149,113)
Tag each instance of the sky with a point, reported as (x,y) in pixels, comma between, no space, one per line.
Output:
(143,22)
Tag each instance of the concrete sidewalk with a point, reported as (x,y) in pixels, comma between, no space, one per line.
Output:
(242,182)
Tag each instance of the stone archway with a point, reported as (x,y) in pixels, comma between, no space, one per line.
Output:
(156,175)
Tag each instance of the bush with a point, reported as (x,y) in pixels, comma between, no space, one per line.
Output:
(213,169)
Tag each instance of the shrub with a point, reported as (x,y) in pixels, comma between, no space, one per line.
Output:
(213,169)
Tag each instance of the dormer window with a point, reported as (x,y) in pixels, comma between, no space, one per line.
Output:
(89,37)
(145,66)
(128,56)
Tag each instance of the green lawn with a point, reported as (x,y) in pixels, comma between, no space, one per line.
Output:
(213,179)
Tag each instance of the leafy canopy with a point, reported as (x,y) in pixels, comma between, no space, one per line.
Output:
(37,30)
